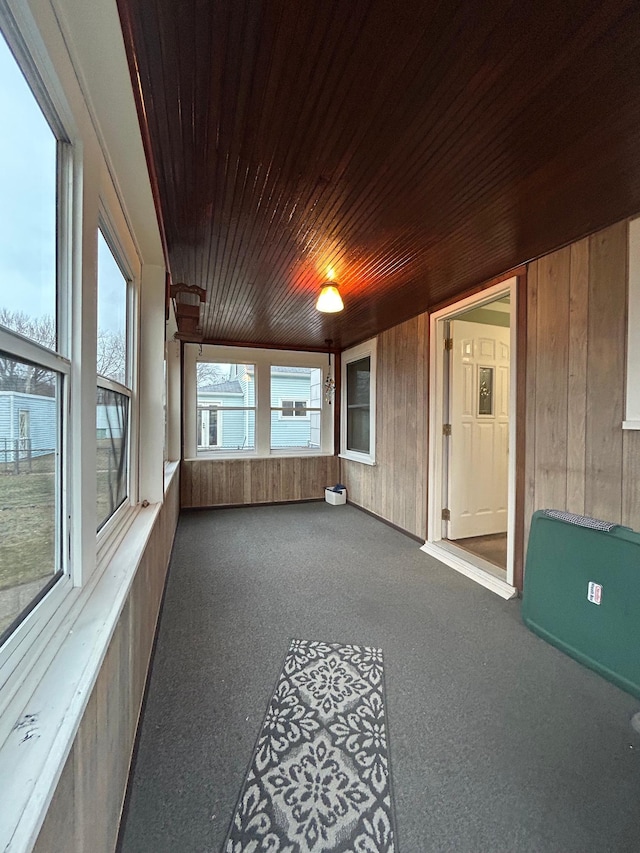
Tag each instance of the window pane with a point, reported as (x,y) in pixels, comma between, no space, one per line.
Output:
(225,386)
(358,381)
(358,407)
(232,385)
(291,384)
(358,430)
(485,390)
(112,316)
(295,432)
(28,175)
(296,401)
(29,483)
(112,425)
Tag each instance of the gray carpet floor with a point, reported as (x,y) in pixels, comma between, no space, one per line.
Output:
(499,743)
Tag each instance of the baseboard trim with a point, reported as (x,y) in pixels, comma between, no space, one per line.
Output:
(385,521)
(258,503)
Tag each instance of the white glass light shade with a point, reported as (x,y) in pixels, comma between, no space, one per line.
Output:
(329,300)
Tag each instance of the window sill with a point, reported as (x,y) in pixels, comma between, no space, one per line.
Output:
(630,424)
(46,707)
(275,454)
(365,460)
(170,469)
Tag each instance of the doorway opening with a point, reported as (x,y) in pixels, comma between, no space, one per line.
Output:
(472,437)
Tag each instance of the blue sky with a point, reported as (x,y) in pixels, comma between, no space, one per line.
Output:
(28,208)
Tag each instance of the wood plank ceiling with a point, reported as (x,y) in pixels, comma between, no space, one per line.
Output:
(420,148)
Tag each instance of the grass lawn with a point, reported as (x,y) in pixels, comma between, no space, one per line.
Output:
(27,518)
(27,522)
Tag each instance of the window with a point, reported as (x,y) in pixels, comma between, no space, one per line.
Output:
(112,315)
(24,429)
(33,368)
(30,468)
(112,429)
(113,391)
(485,390)
(226,413)
(358,403)
(296,407)
(28,190)
(242,401)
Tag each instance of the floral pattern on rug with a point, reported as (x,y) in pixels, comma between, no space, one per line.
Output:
(319,780)
(330,685)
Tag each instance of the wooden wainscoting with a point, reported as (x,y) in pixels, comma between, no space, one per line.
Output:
(395,488)
(233,482)
(578,456)
(85,811)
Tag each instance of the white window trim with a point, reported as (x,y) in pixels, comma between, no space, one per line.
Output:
(24,39)
(113,226)
(263,359)
(632,400)
(368,348)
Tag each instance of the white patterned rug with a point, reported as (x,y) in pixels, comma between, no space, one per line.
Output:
(319,779)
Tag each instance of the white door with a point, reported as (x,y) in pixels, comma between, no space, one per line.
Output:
(479,443)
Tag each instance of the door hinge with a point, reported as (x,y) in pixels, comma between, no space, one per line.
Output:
(446,514)
(448,343)
(446,429)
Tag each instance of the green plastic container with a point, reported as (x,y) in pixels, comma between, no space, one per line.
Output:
(582,593)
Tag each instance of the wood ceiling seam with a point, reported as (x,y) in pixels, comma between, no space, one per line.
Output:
(239,270)
(401,219)
(221,187)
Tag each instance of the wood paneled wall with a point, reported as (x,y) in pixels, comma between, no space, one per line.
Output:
(85,812)
(578,456)
(232,482)
(395,488)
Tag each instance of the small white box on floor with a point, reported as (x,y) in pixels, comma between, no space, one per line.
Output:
(335,498)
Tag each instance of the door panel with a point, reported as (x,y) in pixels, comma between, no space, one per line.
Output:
(479,442)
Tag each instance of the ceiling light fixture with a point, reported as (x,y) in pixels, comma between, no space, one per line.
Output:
(330,301)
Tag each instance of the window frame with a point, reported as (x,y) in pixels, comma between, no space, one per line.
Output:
(217,450)
(368,349)
(115,524)
(264,360)
(25,43)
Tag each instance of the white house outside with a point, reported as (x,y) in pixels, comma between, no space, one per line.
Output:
(226,409)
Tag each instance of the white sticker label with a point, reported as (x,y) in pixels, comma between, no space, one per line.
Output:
(595,593)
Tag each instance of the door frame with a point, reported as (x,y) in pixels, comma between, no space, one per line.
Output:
(458,559)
